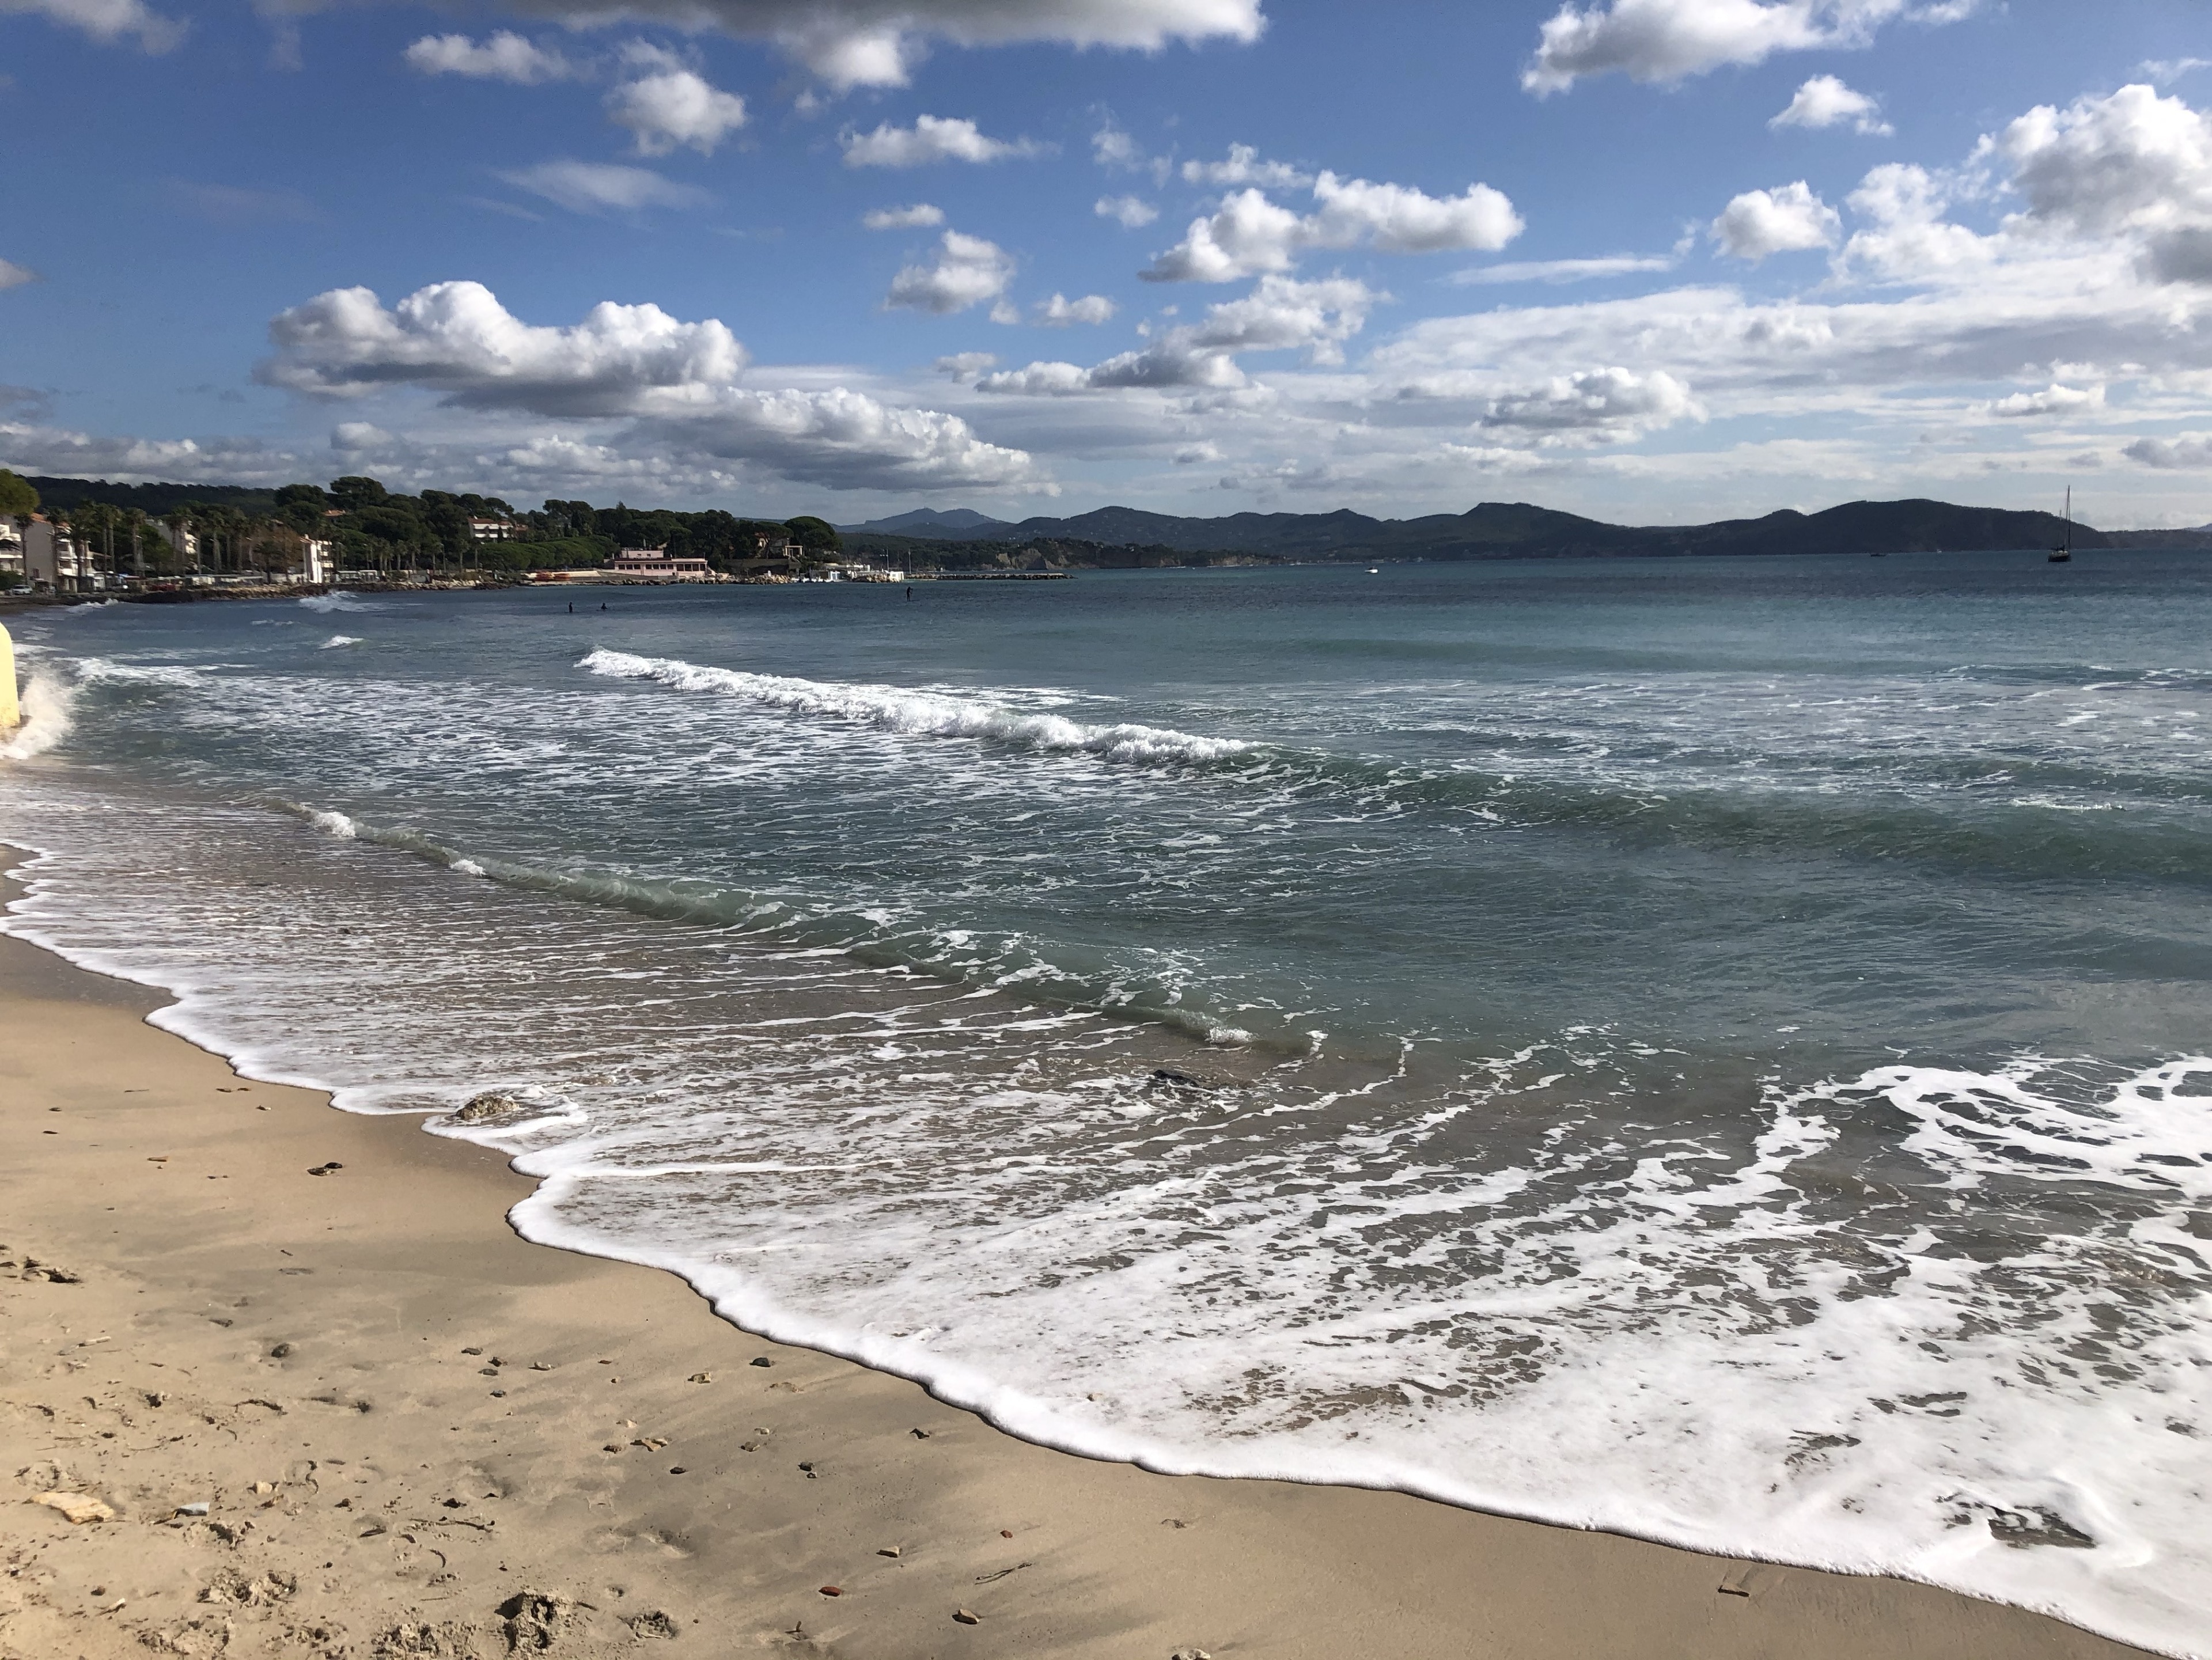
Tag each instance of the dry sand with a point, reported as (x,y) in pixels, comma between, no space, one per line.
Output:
(413,1433)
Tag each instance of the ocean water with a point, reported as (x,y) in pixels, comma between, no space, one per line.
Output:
(1714,1049)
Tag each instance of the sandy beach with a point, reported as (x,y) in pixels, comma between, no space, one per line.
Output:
(321,1401)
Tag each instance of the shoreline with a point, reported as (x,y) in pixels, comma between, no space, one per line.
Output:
(722,1525)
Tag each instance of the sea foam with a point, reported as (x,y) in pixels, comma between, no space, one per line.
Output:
(919,714)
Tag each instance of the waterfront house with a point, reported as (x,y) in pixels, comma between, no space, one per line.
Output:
(55,561)
(655,565)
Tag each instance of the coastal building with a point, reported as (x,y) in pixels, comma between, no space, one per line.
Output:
(54,562)
(491,530)
(655,565)
(184,541)
(12,550)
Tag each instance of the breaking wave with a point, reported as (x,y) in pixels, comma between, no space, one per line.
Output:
(919,713)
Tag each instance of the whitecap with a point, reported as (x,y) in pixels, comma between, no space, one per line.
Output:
(919,713)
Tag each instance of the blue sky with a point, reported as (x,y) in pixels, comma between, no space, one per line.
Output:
(1653,260)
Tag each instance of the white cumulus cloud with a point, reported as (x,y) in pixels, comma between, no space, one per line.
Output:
(1668,41)
(1059,311)
(675,106)
(1244,167)
(876,42)
(2054,399)
(2132,161)
(107,21)
(964,271)
(1906,237)
(1604,404)
(670,386)
(1825,101)
(1129,211)
(1784,220)
(602,186)
(457,339)
(1249,234)
(504,56)
(1279,314)
(1397,219)
(910,218)
(13,276)
(847,440)
(931,138)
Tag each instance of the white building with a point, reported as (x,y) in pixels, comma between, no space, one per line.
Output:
(491,530)
(54,562)
(11,548)
(653,565)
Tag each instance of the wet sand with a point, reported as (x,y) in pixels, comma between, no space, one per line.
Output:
(413,1434)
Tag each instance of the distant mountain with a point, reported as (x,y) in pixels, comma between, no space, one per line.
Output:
(964,522)
(1515,530)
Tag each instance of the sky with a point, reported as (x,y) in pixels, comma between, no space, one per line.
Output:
(1654,261)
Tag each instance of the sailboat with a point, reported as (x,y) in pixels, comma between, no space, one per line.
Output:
(2064,550)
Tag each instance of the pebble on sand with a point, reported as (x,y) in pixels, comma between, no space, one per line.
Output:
(702,1377)
(891,1551)
(833,1590)
(762,1360)
(966,1618)
(77,1507)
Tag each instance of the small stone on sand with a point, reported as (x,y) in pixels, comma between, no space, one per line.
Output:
(1005,1533)
(702,1377)
(77,1507)
(967,1619)
(833,1590)
(762,1360)
(891,1551)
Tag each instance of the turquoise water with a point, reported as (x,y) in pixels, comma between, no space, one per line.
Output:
(1710,1049)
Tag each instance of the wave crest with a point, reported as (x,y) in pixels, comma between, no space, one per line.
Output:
(920,713)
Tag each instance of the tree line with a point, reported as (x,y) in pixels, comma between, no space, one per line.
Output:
(371,527)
